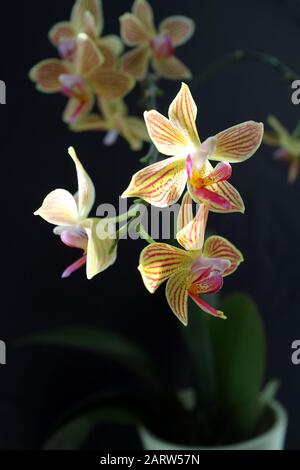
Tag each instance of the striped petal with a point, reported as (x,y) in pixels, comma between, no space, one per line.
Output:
(218,247)
(178,28)
(76,108)
(90,122)
(46,75)
(100,252)
(86,189)
(78,15)
(113,42)
(238,143)
(219,197)
(133,31)
(177,295)
(160,184)
(110,84)
(172,69)
(88,56)
(60,31)
(168,139)
(185,215)
(158,262)
(59,208)
(207,308)
(183,113)
(143,10)
(136,62)
(110,58)
(191,235)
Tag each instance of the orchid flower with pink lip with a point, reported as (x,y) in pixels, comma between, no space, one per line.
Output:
(70,215)
(157,46)
(197,269)
(114,119)
(81,79)
(162,183)
(86,17)
(288,146)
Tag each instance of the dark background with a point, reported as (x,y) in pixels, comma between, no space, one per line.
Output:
(37,384)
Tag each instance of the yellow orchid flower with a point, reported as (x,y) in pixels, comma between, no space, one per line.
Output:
(288,146)
(197,269)
(162,183)
(86,17)
(116,121)
(81,79)
(157,46)
(70,215)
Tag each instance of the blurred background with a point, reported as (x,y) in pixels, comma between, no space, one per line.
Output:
(38,383)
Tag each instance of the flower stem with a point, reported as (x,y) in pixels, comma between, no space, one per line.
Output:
(246,55)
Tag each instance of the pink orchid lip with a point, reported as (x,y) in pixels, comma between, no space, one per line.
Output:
(67,48)
(73,87)
(281,154)
(74,267)
(213,264)
(76,238)
(162,46)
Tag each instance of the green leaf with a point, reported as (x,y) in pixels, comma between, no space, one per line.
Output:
(118,407)
(106,343)
(238,352)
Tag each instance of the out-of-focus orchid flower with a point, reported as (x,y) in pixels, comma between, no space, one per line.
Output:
(288,146)
(162,183)
(81,79)
(197,269)
(70,215)
(86,17)
(158,46)
(115,121)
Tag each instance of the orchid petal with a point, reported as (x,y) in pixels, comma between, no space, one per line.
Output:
(59,208)
(136,62)
(178,28)
(60,31)
(218,247)
(46,75)
(270,138)
(113,42)
(168,139)
(143,10)
(219,197)
(185,215)
(158,262)
(101,253)
(177,295)
(90,122)
(133,31)
(172,69)
(76,108)
(293,169)
(109,57)
(238,143)
(94,7)
(86,189)
(191,235)
(88,56)
(207,308)
(111,84)
(160,184)
(183,113)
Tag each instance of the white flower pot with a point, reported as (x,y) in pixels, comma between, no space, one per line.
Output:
(273,439)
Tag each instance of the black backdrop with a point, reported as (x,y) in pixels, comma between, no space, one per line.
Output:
(38,383)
